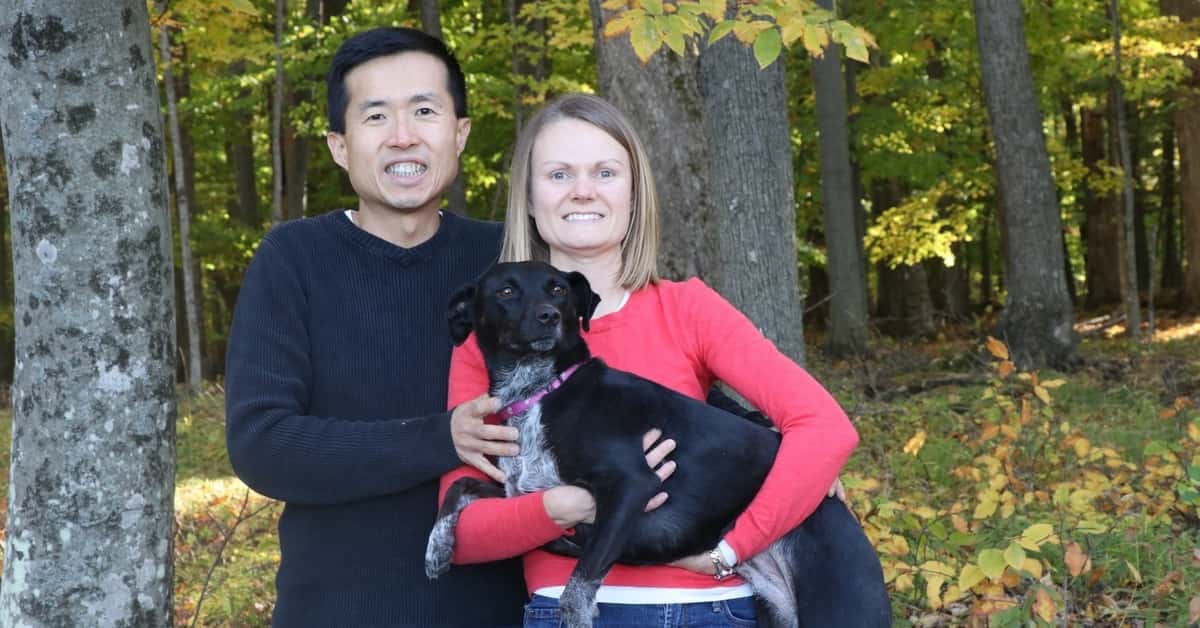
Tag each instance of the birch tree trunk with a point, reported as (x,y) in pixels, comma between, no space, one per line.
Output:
(195,371)
(89,534)
(1038,318)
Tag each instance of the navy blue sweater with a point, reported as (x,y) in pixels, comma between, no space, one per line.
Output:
(336,394)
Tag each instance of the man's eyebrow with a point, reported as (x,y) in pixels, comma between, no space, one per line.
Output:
(371,104)
(421,97)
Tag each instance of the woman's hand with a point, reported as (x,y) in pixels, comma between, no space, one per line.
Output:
(699,563)
(569,505)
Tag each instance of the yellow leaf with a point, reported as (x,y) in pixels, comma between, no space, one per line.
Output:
(245,6)
(1036,534)
(986,507)
(1077,561)
(970,576)
(960,525)
(989,432)
(1042,394)
(997,348)
(1026,411)
(1010,578)
(747,32)
(904,582)
(1053,383)
(1133,571)
(622,23)
(1081,446)
(714,9)
(1194,431)
(998,482)
(1044,605)
(614,5)
(914,444)
(1194,610)
(1033,567)
(933,589)
(815,39)
(1015,556)
(991,561)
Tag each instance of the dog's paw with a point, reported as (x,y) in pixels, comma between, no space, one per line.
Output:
(576,617)
(441,547)
(578,603)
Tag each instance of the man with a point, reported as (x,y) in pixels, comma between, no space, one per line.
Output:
(339,352)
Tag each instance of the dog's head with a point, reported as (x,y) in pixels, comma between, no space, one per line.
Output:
(522,309)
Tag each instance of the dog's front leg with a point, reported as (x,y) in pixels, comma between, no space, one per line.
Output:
(616,511)
(440,550)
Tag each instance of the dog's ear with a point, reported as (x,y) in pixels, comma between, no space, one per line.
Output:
(462,314)
(585,300)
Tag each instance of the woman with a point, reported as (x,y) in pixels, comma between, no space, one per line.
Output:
(582,198)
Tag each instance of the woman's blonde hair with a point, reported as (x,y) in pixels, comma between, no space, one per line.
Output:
(639,248)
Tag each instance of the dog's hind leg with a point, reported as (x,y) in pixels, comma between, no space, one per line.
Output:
(440,549)
(838,578)
(615,516)
(769,573)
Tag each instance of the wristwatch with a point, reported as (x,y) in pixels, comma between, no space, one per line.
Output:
(723,570)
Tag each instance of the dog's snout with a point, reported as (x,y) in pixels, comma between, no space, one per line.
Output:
(548,315)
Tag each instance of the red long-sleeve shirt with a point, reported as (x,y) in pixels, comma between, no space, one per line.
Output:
(683,336)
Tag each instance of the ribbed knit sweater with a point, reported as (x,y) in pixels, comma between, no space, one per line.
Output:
(336,378)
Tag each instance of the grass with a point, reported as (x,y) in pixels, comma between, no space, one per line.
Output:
(946,479)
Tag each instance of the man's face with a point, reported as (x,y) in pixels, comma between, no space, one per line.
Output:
(402,137)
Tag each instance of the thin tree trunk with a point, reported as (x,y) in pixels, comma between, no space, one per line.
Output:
(848,333)
(90,516)
(277,211)
(1187,137)
(1101,268)
(1129,285)
(195,372)
(456,196)
(240,152)
(1172,265)
(1037,319)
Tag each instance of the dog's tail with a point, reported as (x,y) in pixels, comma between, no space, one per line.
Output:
(823,573)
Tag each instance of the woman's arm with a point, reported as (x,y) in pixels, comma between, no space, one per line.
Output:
(817,435)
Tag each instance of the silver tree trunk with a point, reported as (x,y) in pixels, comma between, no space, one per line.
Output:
(277,211)
(90,503)
(1129,274)
(1037,320)
(195,368)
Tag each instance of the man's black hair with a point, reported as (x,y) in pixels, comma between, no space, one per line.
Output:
(383,42)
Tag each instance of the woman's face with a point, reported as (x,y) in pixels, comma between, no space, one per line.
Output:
(581,189)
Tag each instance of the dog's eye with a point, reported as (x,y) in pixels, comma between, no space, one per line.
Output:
(558,291)
(506,291)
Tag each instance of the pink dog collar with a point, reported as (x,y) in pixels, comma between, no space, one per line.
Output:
(521,405)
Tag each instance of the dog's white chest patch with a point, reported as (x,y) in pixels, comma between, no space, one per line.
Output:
(534,469)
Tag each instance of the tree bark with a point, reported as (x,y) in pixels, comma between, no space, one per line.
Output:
(673,134)
(456,195)
(1038,317)
(1187,137)
(718,119)
(89,533)
(277,96)
(240,151)
(1129,276)
(1172,264)
(848,332)
(183,204)
(1102,269)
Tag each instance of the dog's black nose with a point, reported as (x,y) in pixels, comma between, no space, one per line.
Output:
(548,315)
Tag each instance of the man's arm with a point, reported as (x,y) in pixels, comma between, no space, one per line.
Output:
(283,452)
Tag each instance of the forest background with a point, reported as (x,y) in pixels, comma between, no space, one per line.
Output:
(1018,479)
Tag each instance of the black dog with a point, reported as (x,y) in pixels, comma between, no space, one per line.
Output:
(527,318)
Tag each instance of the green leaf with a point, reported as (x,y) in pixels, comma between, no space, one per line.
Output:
(1036,534)
(243,6)
(720,30)
(962,539)
(614,5)
(653,7)
(645,38)
(856,49)
(992,562)
(672,30)
(767,46)
(714,9)
(1015,556)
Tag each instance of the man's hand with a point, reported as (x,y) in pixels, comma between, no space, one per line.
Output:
(475,440)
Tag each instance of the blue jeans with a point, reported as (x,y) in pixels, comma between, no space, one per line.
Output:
(542,612)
